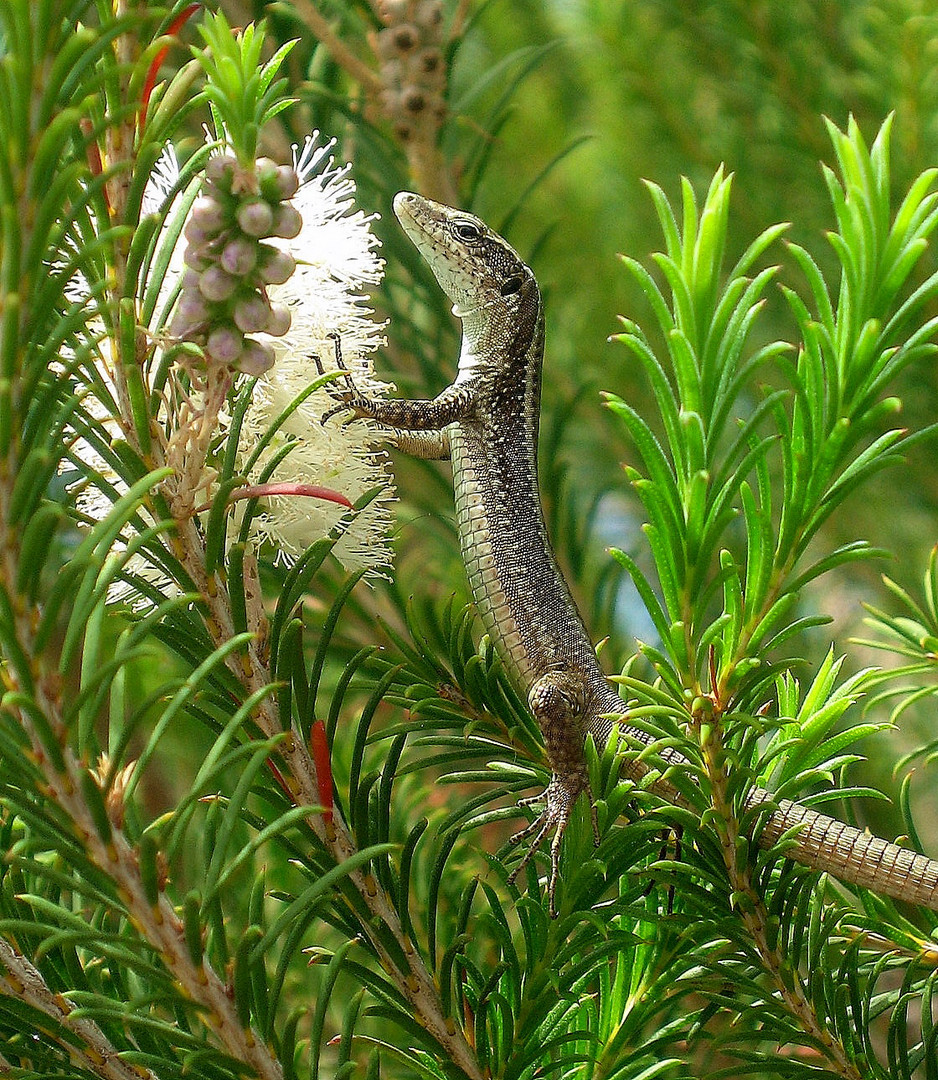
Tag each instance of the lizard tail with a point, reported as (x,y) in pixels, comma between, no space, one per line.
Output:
(821,842)
(847,853)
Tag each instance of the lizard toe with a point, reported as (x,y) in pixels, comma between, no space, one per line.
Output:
(558,798)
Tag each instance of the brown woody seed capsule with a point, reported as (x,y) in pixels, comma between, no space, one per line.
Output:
(391,72)
(429,60)
(414,101)
(429,13)
(385,46)
(405,37)
(394,10)
(391,101)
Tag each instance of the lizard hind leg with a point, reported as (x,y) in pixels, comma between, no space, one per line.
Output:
(557,700)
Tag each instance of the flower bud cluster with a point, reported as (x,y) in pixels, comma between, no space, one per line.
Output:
(229,266)
(413,74)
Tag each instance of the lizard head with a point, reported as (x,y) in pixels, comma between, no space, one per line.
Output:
(475,267)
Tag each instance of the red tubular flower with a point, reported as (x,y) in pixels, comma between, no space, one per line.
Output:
(150,81)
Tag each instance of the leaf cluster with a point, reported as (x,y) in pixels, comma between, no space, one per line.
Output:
(784,460)
(244,92)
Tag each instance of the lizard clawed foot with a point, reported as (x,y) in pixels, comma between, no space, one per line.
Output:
(347,396)
(558,798)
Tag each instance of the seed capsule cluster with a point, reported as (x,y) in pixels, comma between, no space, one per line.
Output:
(229,266)
(410,51)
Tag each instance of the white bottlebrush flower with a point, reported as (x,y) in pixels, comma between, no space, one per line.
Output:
(336,256)
(337,260)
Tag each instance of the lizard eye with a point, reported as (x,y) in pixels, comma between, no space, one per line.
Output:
(466,231)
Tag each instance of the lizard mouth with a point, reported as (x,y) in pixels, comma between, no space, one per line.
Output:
(462,310)
(424,221)
(406,207)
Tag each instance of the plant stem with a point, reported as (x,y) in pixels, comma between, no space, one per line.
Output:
(96,1053)
(115,856)
(750,907)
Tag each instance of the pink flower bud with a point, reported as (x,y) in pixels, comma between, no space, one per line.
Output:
(278,320)
(256,358)
(208,214)
(224,345)
(287,181)
(194,233)
(256,217)
(251,313)
(266,169)
(215,284)
(220,168)
(276,266)
(193,258)
(191,311)
(239,256)
(287,221)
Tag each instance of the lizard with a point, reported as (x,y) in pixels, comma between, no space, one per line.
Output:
(486,423)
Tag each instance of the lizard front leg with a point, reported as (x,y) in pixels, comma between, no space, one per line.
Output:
(456,402)
(558,701)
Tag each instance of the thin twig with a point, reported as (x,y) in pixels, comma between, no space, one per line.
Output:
(753,913)
(24,982)
(343,56)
